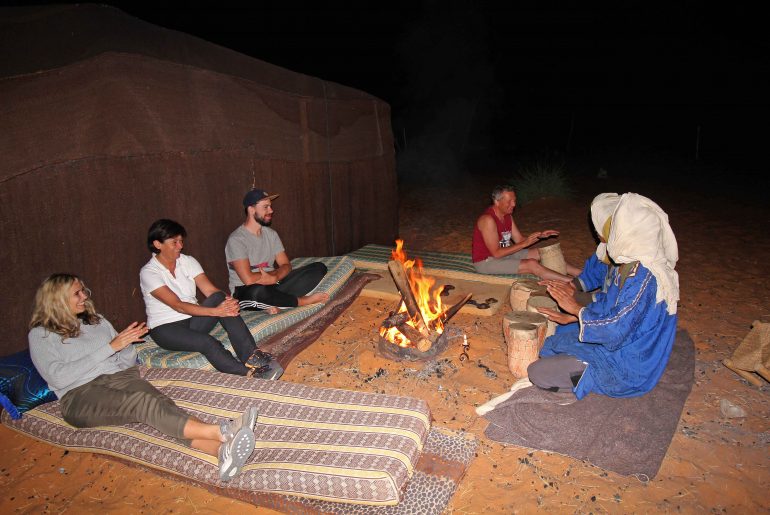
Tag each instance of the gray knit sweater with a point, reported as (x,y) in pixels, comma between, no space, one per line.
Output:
(72,362)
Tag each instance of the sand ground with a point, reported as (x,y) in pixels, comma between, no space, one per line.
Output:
(714,464)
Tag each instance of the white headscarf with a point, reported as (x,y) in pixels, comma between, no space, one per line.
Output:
(640,232)
(602,207)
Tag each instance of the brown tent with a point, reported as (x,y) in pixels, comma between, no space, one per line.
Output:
(109,123)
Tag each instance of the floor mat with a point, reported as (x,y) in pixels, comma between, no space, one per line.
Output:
(627,436)
(284,346)
(443,463)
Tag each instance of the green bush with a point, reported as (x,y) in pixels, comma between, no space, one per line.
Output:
(541,178)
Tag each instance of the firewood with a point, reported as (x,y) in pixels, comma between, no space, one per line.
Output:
(395,320)
(452,311)
(402,285)
(414,336)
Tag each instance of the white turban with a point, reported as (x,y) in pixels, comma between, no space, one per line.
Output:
(640,232)
(601,210)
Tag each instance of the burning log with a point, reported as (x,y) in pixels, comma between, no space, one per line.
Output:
(423,344)
(452,311)
(427,334)
(419,324)
(395,320)
(402,285)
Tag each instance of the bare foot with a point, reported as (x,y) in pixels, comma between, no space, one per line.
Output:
(272,310)
(315,298)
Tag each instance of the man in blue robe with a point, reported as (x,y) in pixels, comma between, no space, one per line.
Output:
(620,343)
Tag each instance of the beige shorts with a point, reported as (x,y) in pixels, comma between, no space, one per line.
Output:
(505,265)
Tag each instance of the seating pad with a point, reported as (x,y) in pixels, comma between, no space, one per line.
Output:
(261,324)
(317,443)
(448,264)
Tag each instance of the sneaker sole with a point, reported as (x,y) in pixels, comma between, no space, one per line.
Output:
(242,446)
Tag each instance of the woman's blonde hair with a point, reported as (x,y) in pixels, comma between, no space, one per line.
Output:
(52,311)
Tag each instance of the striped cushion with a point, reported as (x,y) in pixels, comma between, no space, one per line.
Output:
(317,443)
(261,325)
(445,264)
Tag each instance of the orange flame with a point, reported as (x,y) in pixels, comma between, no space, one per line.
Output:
(428,298)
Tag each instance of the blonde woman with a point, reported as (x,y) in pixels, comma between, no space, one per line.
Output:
(92,370)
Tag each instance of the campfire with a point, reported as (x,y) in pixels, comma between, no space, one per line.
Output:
(416,329)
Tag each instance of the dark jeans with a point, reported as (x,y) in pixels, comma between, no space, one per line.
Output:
(192,334)
(298,283)
(122,398)
(559,373)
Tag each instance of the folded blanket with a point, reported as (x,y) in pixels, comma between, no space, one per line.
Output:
(627,436)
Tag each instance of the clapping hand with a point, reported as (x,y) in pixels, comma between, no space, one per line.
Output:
(548,233)
(532,238)
(559,318)
(131,334)
(563,292)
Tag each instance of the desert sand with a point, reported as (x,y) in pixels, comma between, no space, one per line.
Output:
(714,464)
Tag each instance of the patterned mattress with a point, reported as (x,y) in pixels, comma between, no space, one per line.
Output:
(447,264)
(260,323)
(316,443)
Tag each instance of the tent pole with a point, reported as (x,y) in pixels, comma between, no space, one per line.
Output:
(329,171)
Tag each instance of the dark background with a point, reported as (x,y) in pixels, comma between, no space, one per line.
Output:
(480,85)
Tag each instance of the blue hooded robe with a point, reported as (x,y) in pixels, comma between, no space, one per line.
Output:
(624,336)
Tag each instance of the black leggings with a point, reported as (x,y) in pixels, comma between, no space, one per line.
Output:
(192,334)
(298,283)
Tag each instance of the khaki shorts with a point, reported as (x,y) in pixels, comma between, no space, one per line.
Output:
(505,265)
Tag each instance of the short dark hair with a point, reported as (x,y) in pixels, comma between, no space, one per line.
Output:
(498,191)
(161,230)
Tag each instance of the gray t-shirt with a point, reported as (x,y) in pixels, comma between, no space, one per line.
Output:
(259,250)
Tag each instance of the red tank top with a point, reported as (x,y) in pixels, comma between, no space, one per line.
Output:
(479,250)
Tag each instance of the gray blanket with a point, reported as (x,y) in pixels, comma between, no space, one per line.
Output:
(627,436)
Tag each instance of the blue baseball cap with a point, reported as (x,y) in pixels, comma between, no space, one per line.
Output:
(255,196)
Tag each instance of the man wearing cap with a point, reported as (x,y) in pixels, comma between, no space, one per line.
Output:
(260,273)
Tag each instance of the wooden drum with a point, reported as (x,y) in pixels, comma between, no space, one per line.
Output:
(521,291)
(535,302)
(551,257)
(524,336)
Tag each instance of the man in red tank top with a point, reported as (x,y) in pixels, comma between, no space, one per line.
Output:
(499,247)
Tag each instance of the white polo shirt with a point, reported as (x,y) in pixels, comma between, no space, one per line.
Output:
(153,275)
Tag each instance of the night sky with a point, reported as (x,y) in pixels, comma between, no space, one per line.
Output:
(466,79)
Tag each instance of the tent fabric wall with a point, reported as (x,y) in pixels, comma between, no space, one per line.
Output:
(96,149)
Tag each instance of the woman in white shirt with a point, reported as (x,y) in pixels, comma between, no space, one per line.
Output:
(177,322)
